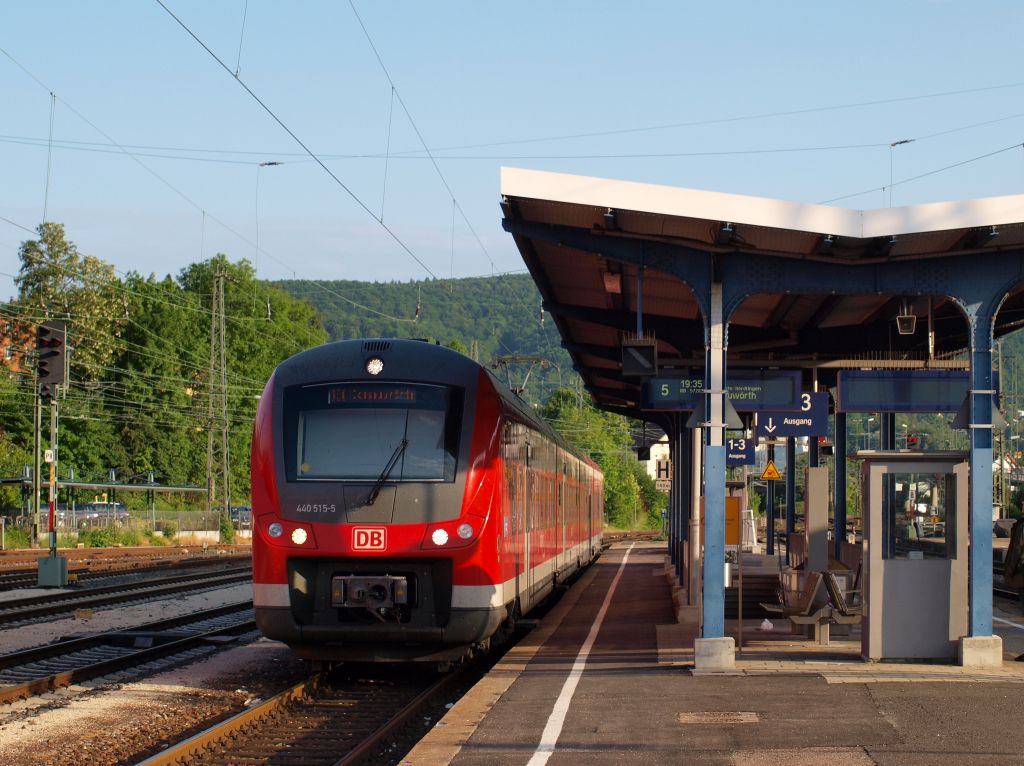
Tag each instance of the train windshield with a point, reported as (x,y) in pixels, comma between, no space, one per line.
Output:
(355,432)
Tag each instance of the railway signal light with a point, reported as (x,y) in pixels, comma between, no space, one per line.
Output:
(51,344)
(913,442)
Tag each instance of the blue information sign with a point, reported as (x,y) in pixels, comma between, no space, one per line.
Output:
(811,420)
(748,390)
(902,390)
(739,452)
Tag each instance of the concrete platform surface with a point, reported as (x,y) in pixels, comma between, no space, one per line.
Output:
(788,702)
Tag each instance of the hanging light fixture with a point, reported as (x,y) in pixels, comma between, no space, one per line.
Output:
(906,322)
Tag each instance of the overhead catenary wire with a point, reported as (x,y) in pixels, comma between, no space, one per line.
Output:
(110,149)
(123,150)
(199,367)
(926,174)
(241,37)
(416,130)
(739,118)
(49,158)
(18,225)
(698,123)
(394,236)
(387,154)
(122,287)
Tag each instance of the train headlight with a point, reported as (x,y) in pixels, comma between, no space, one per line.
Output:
(375,365)
(452,534)
(275,530)
(299,536)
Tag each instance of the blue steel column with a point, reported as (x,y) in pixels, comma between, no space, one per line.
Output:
(839,484)
(769,501)
(681,480)
(981,479)
(673,456)
(813,459)
(790,488)
(887,430)
(714,473)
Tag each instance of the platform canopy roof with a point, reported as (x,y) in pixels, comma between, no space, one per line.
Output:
(566,228)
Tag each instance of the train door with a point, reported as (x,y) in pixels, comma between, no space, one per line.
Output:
(589,525)
(590,511)
(567,514)
(590,521)
(557,542)
(528,523)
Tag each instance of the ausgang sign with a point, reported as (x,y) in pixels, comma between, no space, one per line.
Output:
(811,420)
(748,390)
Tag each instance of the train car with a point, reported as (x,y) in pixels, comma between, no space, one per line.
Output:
(407,506)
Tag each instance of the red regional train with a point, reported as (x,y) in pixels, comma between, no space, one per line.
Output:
(407,506)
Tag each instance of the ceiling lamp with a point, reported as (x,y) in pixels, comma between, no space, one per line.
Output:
(906,322)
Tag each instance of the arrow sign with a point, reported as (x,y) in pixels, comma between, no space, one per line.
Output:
(811,420)
(771,473)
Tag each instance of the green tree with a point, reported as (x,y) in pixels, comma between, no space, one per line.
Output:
(654,501)
(163,356)
(13,457)
(56,281)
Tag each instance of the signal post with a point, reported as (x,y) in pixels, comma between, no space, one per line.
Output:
(51,345)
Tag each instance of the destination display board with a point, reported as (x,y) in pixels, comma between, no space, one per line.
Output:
(902,390)
(748,390)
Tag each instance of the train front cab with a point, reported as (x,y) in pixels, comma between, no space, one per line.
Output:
(410,583)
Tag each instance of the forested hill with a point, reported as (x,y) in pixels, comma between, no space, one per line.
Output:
(485,317)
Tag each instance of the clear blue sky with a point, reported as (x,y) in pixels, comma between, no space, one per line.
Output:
(486,85)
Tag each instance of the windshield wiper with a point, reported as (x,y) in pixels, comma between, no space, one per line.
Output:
(386,472)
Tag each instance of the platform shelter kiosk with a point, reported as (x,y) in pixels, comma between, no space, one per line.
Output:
(915,508)
(696,310)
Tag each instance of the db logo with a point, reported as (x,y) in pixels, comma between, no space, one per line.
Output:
(369,539)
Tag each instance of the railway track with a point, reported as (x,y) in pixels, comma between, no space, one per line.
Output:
(38,607)
(25,558)
(35,671)
(316,723)
(103,570)
(631,535)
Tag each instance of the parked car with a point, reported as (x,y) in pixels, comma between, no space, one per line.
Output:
(98,514)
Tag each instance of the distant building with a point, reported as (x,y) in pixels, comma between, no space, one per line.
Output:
(17,340)
(658,465)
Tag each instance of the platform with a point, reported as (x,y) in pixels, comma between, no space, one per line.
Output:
(627,693)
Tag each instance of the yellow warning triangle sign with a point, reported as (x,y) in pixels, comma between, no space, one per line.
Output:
(771,473)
